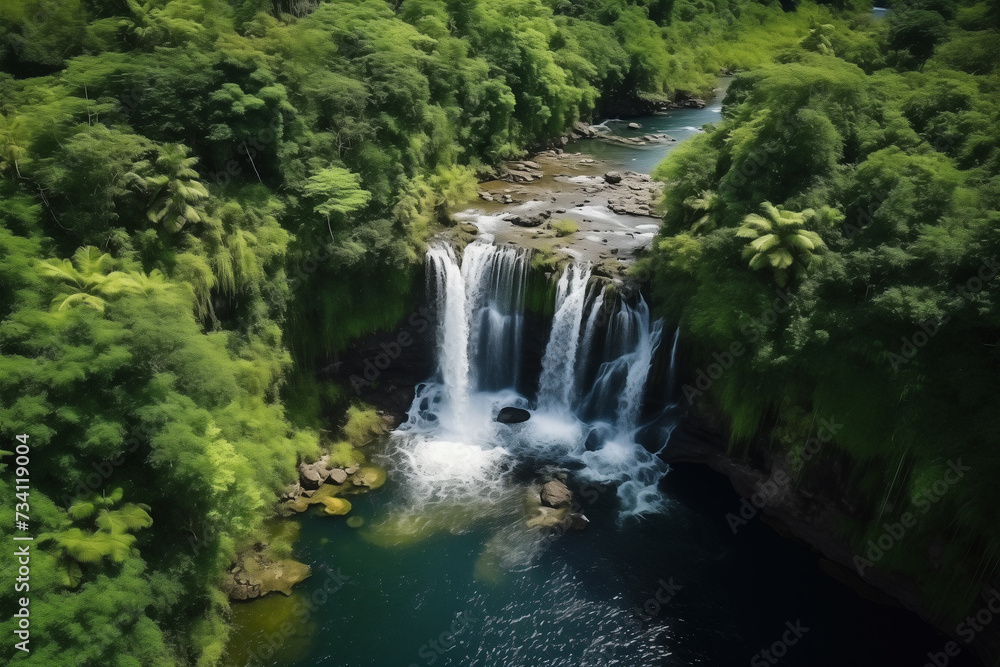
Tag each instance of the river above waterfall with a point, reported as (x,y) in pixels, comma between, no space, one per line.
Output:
(447,568)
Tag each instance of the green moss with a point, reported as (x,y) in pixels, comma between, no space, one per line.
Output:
(564,227)
(363,425)
(343,455)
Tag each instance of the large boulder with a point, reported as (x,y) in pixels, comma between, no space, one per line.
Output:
(312,475)
(555,494)
(511,415)
(613,177)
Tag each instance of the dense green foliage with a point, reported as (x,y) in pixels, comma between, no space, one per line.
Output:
(880,150)
(200,200)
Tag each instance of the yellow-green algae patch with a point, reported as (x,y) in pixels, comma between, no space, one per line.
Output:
(336,506)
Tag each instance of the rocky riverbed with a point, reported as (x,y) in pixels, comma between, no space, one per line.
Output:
(569,203)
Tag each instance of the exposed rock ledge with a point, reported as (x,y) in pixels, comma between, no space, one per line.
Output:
(254,575)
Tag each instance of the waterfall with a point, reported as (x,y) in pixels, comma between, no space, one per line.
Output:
(617,389)
(495,284)
(672,371)
(453,326)
(594,370)
(557,384)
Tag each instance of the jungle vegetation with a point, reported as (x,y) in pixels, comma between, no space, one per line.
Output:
(202,201)
(842,225)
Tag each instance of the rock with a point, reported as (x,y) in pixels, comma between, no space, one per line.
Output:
(468,229)
(521,176)
(511,415)
(292,491)
(485,196)
(337,476)
(507,199)
(613,177)
(256,574)
(547,517)
(634,126)
(368,476)
(312,475)
(609,268)
(350,470)
(529,221)
(555,494)
(578,521)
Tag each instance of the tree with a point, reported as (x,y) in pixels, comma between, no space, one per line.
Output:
(779,241)
(337,191)
(917,32)
(86,279)
(706,204)
(177,195)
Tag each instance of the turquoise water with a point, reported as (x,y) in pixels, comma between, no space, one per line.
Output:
(680,124)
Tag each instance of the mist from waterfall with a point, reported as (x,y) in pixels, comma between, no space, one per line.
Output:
(586,413)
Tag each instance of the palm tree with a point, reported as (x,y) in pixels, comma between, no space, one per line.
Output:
(705,203)
(86,280)
(11,149)
(176,192)
(779,241)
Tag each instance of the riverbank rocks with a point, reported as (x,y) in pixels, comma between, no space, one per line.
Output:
(581,129)
(313,475)
(634,126)
(369,477)
(613,177)
(635,194)
(521,171)
(254,576)
(511,415)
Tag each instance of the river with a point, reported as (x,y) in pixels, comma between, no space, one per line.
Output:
(445,570)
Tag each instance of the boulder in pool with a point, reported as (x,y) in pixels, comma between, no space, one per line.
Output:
(511,415)
(555,494)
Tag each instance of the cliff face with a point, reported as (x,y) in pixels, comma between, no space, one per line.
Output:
(809,508)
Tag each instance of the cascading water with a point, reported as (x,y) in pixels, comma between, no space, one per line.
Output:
(556,387)
(594,370)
